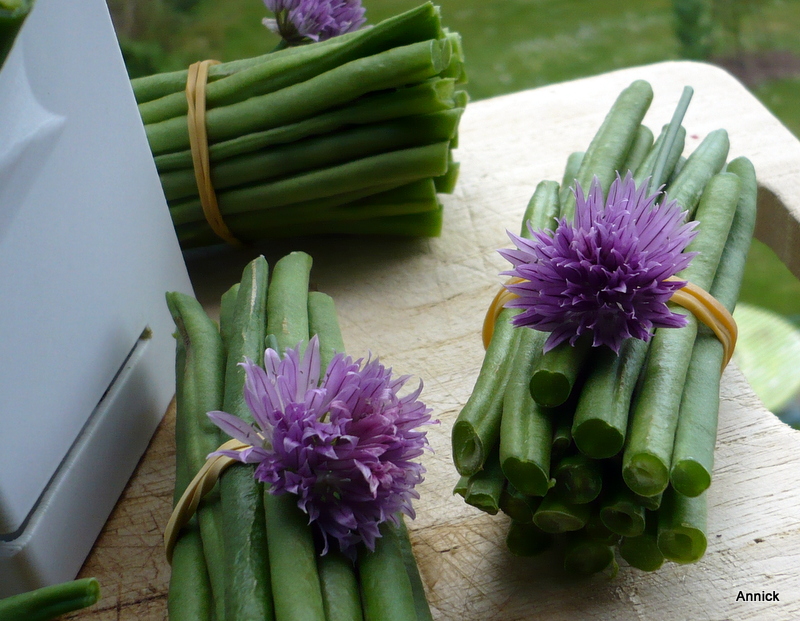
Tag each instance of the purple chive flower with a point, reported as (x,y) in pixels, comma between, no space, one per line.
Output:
(343,443)
(298,21)
(605,274)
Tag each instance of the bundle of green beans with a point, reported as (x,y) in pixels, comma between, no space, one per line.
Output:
(248,554)
(349,135)
(613,451)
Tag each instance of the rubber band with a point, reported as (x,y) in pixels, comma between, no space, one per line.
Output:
(198,141)
(499,301)
(201,484)
(705,307)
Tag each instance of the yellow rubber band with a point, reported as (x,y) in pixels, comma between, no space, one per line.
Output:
(198,141)
(499,301)
(709,311)
(202,483)
(705,307)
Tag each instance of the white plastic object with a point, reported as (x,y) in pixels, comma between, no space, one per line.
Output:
(87,251)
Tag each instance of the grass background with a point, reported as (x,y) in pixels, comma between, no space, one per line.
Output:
(511,45)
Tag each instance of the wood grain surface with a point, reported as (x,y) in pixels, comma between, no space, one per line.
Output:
(419,304)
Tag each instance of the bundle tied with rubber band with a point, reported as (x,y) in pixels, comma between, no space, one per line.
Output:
(593,418)
(296,464)
(349,135)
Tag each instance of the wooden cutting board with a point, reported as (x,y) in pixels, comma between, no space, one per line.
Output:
(419,304)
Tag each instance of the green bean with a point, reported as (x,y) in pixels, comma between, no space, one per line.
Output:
(642,551)
(601,416)
(695,437)
(579,479)
(396,167)
(556,372)
(423,224)
(526,429)
(477,427)
(296,588)
(527,539)
(390,69)
(584,556)
(318,152)
(596,530)
(622,513)
(340,594)
(189,595)
(486,486)
(386,590)
(610,146)
(446,183)
(247,586)
(648,451)
(682,527)
(227,307)
(460,487)
(50,601)
(556,516)
(562,433)
(201,392)
(574,162)
(431,96)
(412,570)
(323,322)
(704,162)
(337,575)
(287,301)
(251,77)
(642,143)
(518,506)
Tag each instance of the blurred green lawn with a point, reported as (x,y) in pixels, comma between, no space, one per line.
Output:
(510,45)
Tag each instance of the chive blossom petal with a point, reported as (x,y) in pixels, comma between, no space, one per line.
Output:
(344,443)
(605,274)
(301,21)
